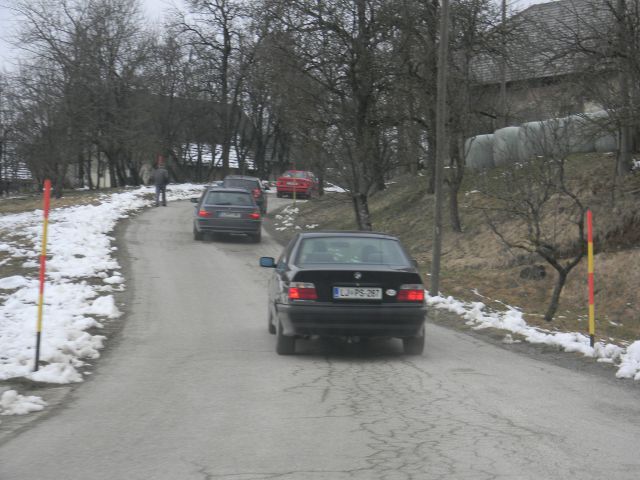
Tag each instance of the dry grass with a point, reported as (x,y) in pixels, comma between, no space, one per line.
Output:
(476,260)
(30,202)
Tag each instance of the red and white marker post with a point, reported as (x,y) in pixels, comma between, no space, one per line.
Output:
(43,263)
(592,310)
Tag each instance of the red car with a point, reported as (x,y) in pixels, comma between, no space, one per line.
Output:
(303,183)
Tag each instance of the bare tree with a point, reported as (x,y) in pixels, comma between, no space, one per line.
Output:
(473,22)
(214,29)
(91,53)
(547,208)
(600,41)
(341,48)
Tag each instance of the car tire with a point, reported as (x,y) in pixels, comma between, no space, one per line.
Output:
(413,345)
(285,345)
(256,237)
(198,236)
(279,194)
(270,326)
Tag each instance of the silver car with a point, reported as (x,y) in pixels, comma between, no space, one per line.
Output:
(226,210)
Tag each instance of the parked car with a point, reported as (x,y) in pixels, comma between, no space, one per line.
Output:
(252,184)
(303,183)
(345,284)
(226,210)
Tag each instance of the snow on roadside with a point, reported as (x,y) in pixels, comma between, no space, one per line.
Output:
(82,276)
(286,219)
(479,317)
(331,188)
(12,403)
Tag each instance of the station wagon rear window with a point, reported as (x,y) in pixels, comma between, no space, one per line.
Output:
(351,250)
(241,183)
(228,198)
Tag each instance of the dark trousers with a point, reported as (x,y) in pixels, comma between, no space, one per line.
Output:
(161,189)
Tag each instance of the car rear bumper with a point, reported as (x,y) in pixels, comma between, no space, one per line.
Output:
(289,189)
(245,226)
(329,319)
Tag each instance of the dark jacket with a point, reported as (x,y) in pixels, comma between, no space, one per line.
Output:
(160,177)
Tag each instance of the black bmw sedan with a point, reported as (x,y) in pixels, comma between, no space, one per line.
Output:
(345,284)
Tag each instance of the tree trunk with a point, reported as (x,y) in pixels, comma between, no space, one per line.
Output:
(623,164)
(454,211)
(362,209)
(555,297)
(456,174)
(430,163)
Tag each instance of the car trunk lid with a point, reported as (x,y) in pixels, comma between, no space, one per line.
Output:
(364,285)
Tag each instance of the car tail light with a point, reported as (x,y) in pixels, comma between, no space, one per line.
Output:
(256,192)
(254,215)
(411,293)
(204,214)
(302,291)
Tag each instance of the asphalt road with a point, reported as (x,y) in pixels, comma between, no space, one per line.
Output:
(191,388)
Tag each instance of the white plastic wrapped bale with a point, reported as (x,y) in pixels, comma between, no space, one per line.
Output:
(505,145)
(580,133)
(531,140)
(479,152)
(606,143)
(605,133)
(556,136)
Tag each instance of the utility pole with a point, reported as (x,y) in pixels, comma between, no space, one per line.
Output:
(503,68)
(623,166)
(441,143)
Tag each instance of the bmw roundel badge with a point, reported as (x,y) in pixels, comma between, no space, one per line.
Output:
(357,275)
(391,292)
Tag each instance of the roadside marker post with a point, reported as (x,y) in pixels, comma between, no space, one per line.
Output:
(295,184)
(43,262)
(592,311)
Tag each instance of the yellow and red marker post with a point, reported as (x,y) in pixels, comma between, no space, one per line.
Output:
(592,310)
(43,263)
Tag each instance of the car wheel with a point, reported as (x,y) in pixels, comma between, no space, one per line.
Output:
(413,345)
(197,235)
(279,194)
(271,327)
(256,237)
(285,345)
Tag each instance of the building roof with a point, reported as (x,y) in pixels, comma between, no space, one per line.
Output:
(543,40)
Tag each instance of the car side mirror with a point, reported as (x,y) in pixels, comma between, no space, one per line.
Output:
(194,200)
(268,262)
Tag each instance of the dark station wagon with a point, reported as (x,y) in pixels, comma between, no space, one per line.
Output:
(252,184)
(226,210)
(345,284)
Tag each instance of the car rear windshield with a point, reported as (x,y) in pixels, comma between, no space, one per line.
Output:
(351,250)
(295,174)
(228,198)
(241,183)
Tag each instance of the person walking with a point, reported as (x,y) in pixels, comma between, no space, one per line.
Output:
(160,180)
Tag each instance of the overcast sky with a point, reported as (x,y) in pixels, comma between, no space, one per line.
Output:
(153,9)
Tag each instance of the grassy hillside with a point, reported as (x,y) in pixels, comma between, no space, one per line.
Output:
(478,267)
